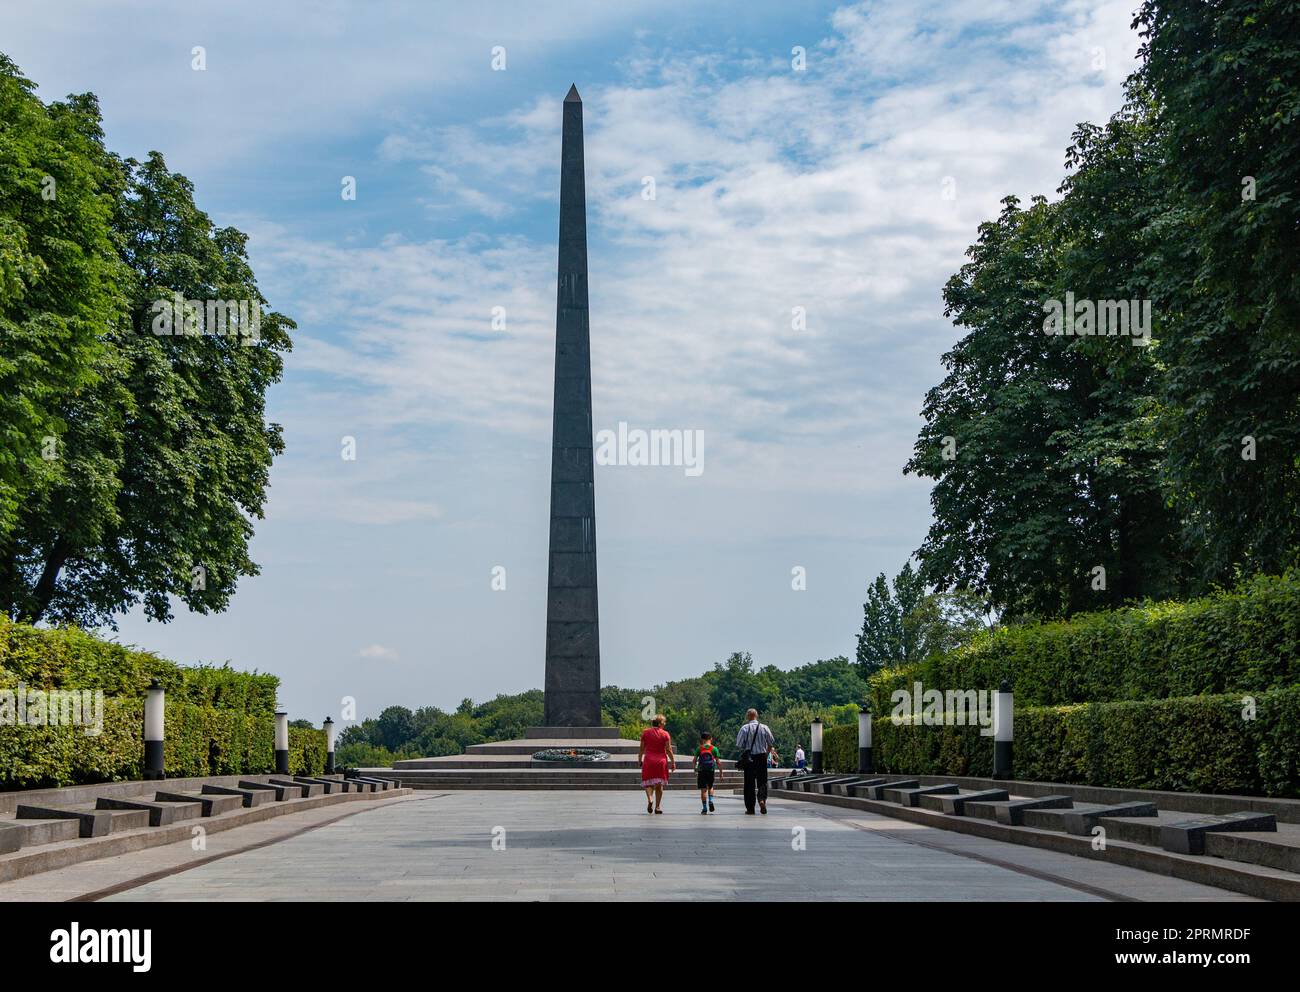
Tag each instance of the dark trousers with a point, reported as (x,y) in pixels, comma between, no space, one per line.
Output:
(755,778)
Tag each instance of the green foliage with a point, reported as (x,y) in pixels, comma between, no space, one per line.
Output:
(70,658)
(59,284)
(1247,640)
(1174,466)
(362,755)
(219,721)
(200,740)
(1188,744)
(306,750)
(1054,467)
(903,625)
(1225,82)
(713,702)
(159,452)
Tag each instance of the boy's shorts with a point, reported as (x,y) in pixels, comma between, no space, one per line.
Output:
(703,778)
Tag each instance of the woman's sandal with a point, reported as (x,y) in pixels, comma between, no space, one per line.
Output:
(649,807)
(658,811)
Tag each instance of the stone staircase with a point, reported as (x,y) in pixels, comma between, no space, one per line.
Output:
(525,778)
(52,828)
(1245,844)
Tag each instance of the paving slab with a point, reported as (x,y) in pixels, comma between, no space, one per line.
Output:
(564,846)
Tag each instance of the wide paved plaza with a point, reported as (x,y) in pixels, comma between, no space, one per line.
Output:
(603,846)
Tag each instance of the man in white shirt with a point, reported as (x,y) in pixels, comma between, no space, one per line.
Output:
(800,759)
(753,741)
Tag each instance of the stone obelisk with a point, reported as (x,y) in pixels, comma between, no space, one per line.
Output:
(572,627)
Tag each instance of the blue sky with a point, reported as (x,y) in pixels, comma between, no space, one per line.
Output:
(775,189)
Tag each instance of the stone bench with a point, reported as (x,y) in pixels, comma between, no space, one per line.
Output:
(210,804)
(249,797)
(160,814)
(912,796)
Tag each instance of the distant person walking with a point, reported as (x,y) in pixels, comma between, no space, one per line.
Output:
(800,759)
(706,763)
(753,741)
(657,762)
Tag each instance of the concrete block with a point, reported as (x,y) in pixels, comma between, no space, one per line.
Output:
(956,805)
(330,785)
(30,833)
(912,797)
(281,792)
(877,792)
(1188,837)
(90,823)
(1080,822)
(846,788)
(305,789)
(251,797)
(1013,813)
(160,814)
(212,804)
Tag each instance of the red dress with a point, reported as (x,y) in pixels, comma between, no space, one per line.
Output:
(654,765)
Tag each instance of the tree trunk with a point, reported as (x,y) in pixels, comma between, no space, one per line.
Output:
(45,585)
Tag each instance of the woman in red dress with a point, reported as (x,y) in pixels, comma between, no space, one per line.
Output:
(656,761)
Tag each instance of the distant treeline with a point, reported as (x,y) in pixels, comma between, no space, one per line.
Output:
(715,702)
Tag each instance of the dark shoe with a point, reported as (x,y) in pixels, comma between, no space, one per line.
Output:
(649,807)
(704,812)
(763,808)
(711,809)
(749,812)
(658,811)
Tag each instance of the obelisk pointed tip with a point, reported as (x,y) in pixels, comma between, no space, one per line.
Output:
(573,95)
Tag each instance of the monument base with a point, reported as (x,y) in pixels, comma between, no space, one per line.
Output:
(510,764)
(571,733)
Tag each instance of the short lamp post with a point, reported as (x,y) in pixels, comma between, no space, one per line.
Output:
(155,702)
(281,742)
(1002,732)
(864,740)
(816,735)
(329,746)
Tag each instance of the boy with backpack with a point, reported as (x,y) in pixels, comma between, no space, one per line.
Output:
(706,763)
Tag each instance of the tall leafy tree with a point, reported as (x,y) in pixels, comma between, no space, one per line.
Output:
(60,286)
(904,623)
(1046,449)
(1224,79)
(1111,238)
(165,452)
(1011,514)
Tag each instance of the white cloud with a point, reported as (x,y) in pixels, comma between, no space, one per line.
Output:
(775,190)
(377,652)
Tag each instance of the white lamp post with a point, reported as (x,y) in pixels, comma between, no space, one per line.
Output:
(281,742)
(817,746)
(155,702)
(1002,731)
(329,746)
(864,740)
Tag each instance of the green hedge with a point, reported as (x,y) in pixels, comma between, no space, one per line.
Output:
(1246,641)
(219,721)
(69,658)
(1190,744)
(200,740)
